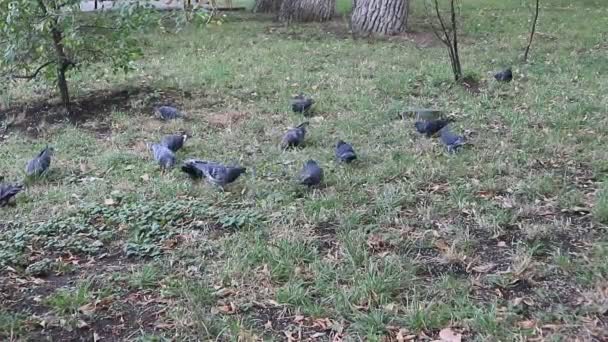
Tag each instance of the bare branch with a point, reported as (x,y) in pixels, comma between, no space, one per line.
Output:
(532,31)
(449,39)
(443,28)
(455,41)
(36,72)
(435,30)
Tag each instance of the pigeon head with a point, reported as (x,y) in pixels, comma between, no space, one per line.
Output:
(48,150)
(420,126)
(303,124)
(167,163)
(310,162)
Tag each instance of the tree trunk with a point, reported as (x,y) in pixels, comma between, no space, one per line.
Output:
(306,10)
(267,6)
(62,61)
(387,17)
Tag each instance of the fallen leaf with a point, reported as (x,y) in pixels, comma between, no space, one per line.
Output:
(87,309)
(82,324)
(298,318)
(145,177)
(448,335)
(484,268)
(322,323)
(528,324)
(442,245)
(402,336)
(227,309)
(289,336)
(109,201)
(501,244)
(163,326)
(268,325)
(319,334)
(129,167)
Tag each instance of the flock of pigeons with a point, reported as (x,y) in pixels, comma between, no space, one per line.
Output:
(222,175)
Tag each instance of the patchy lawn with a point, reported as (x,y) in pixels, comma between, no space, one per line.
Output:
(503,241)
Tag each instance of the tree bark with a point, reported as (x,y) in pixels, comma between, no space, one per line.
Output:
(267,6)
(306,10)
(386,17)
(63,63)
(61,59)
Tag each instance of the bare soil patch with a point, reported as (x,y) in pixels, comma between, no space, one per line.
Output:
(90,111)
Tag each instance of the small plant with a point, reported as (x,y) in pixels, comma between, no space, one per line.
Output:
(447,33)
(600,211)
(67,302)
(145,277)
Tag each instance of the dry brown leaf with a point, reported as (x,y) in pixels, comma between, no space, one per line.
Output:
(322,323)
(527,324)
(289,336)
(109,201)
(273,302)
(484,268)
(317,335)
(228,309)
(402,336)
(442,245)
(87,309)
(268,325)
(163,326)
(82,324)
(298,318)
(448,335)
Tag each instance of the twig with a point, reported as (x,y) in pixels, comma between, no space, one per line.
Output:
(36,72)
(532,32)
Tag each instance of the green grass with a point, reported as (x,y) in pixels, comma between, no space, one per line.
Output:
(507,232)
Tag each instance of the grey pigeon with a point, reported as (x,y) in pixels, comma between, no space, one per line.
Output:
(174,142)
(215,173)
(311,174)
(163,155)
(504,76)
(294,136)
(430,127)
(345,152)
(8,191)
(451,141)
(167,112)
(41,163)
(301,104)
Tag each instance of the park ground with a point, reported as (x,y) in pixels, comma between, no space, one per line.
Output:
(505,241)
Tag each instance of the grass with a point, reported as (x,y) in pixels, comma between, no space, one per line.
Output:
(503,241)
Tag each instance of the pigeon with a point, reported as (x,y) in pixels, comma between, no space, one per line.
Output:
(167,112)
(215,173)
(174,142)
(163,155)
(430,127)
(452,141)
(41,163)
(504,76)
(294,136)
(311,174)
(345,152)
(301,104)
(8,191)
